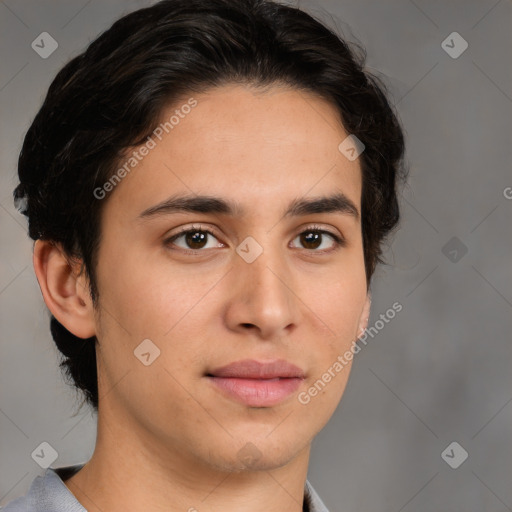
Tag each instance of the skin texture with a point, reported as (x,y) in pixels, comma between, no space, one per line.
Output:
(167,438)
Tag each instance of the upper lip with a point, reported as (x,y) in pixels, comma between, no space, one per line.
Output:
(252,369)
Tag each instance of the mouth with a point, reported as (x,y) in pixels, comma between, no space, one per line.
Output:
(257,384)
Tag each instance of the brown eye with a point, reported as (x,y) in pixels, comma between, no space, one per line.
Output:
(311,239)
(192,239)
(314,239)
(196,239)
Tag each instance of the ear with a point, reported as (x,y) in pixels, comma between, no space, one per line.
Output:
(65,292)
(365,315)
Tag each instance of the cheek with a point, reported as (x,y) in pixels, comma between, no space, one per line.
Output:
(338,307)
(338,304)
(157,301)
(139,303)
(338,300)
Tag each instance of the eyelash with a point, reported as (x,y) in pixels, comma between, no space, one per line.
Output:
(338,240)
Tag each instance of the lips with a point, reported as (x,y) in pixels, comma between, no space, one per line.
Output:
(257,384)
(251,369)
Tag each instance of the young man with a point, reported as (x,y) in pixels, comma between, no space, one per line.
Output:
(208,187)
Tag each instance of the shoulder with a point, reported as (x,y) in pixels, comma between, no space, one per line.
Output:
(48,493)
(314,503)
(29,502)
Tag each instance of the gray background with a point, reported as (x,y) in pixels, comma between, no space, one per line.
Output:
(438,372)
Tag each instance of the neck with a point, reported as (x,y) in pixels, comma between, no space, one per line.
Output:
(132,468)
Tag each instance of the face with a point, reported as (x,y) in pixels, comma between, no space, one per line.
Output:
(245,280)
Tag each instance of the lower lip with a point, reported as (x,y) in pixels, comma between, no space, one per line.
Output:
(258,392)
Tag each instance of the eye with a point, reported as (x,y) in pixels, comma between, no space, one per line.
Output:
(197,238)
(192,239)
(315,238)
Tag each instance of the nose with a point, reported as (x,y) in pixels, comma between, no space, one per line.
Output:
(263,297)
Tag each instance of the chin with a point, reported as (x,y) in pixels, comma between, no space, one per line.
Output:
(236,465)
(260,455)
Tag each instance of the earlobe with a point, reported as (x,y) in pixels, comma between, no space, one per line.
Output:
(65,292)
(365,315)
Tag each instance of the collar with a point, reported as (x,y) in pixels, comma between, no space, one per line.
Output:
(52,493)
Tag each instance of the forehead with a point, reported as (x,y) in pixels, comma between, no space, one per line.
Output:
(240,142)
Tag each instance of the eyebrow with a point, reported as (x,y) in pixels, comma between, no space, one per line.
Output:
(337,203)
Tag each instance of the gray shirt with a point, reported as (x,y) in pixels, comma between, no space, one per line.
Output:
(49,493)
